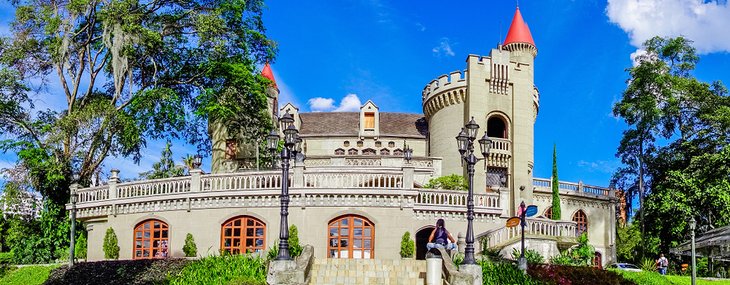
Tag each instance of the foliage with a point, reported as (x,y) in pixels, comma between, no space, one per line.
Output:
(190,249)
(407,245)
(458,259)
(654,278)
(677,143)
(556,212)
(580,255)
(450,182)
(118,272)
(648,265)
(498,273)
(629,243)
(29,275)
(240,269)
(532,256)
(80,248)
(295,249)
(111,244)
(562,258)
(165,167)
(492,254)
(6,257)
(555,274)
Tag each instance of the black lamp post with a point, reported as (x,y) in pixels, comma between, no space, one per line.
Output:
(465,142)
(692,225)
(292,146)
(72,244)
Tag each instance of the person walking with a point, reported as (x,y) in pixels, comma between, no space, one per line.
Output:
(662,263)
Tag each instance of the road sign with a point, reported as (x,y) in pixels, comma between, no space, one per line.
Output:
(513,222)
(531,211)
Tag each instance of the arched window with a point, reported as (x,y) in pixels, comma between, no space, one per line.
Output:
(384,151)
(496,127)
(598,260)
(243,234)
(339,151)
(549,213)
(581,220)
(351,236)
(352,151)
(151,240)
(368,151)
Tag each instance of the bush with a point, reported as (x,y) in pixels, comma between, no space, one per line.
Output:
(532,256)
(111,245)
(295,249)
(499,273)
(80,247)
(648,265)
(407,246)
(575,275)
(118,272)
(450,182)
(6,257)
(225,269)
(562,259)
(190,249)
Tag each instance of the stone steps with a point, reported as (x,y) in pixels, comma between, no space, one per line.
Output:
(329,271)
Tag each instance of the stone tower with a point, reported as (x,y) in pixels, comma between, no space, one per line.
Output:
(499,92)
(231,152)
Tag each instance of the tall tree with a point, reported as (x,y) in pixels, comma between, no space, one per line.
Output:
(556,212)
(126,71)
(165,167)
(684,175)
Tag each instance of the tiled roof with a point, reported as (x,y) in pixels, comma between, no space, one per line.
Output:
(347,123)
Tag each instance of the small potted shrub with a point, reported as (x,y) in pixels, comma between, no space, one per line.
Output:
(407,246)
(111,244)
(190,249)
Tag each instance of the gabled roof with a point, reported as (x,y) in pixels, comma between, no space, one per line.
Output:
(518,31)
(347,124)
(266,72)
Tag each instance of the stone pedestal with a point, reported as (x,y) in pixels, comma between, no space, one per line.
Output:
(284,272)
(475,270)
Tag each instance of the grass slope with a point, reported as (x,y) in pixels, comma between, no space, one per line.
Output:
(653,278)
(27,275)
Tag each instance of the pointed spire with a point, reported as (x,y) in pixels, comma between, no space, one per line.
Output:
(518,31)
(266,72)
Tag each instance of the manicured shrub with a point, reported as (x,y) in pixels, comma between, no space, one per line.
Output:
(80,247)
(111,245)
(295,249)
(532,256)
(225,269)
(499,273)
(407,246)
(190,249)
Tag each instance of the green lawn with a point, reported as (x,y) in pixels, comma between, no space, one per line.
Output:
(654,278)
(28,275)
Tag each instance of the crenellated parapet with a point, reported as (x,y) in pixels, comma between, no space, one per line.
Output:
(444,91)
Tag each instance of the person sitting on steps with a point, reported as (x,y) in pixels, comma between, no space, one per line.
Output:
(440,237)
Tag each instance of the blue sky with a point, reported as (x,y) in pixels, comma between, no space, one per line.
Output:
(334,54)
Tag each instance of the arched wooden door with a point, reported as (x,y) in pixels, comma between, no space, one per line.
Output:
(351,236)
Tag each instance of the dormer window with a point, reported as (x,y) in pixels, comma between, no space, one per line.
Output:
(369,120)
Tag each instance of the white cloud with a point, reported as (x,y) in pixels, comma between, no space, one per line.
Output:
(444,48)
(319,104)
(349,103)
(704,22)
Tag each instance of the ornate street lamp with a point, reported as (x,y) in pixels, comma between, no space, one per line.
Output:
(197,161)
(292,146)
(74,195)
(465,143)
(407,153)
(692,225)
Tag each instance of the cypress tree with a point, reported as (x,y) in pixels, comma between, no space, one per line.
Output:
(555,184)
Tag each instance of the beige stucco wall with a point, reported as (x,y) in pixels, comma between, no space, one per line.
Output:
(326,146)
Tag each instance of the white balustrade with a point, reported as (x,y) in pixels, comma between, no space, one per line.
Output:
(353,180)
(93,194)
(242,181)
(546,185)
(154,187)
(500,145)
(455,198)
(535,227)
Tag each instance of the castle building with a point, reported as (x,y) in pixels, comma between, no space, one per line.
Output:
(353,195)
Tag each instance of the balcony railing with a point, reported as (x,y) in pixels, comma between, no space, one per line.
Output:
(563,231)
(545,185)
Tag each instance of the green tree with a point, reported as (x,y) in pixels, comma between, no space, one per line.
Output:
(450,182)
(190,249)
(111,244)
(407,245)
(165,167)
(80,248)
(684,174)
(555,186)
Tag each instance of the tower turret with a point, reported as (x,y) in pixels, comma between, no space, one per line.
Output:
(519,37)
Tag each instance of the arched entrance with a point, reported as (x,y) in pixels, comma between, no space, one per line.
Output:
(421,241)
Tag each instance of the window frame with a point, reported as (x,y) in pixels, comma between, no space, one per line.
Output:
(243,236)
(351,239)
(153,249)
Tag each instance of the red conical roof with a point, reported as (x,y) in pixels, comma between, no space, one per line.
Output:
(518,31)
(266,72)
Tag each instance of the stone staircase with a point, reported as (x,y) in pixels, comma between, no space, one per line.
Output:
(326,271)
